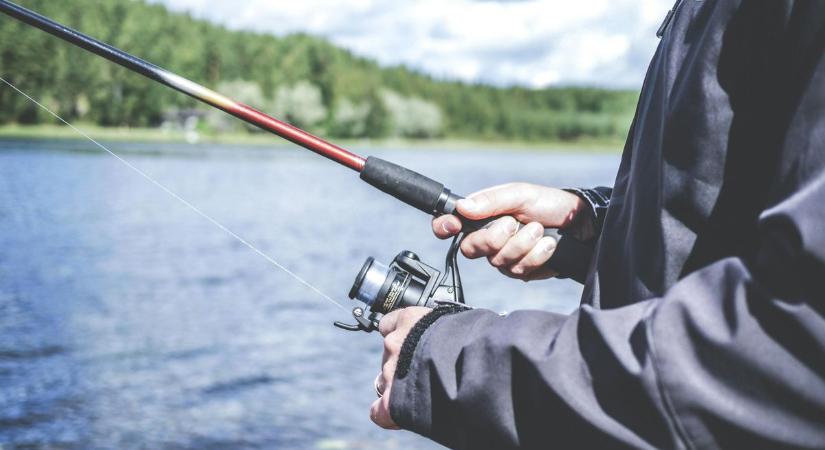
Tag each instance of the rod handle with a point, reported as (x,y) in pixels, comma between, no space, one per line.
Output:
(410,187)
(570,259)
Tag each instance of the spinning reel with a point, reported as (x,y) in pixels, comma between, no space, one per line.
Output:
(407,281)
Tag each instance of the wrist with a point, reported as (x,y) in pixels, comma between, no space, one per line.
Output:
(586,214)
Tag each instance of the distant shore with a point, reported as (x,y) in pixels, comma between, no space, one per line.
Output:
(57,132)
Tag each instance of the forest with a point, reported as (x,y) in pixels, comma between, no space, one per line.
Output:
(303,79)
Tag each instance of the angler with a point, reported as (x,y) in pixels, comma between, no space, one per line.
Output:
(702,323)
(704,265)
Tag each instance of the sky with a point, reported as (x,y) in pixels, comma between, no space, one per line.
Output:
(533,43)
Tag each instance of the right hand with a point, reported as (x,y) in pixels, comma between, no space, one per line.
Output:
(516,253)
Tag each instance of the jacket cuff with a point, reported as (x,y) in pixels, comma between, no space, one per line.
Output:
(597,199)
(411,342)
(411,399)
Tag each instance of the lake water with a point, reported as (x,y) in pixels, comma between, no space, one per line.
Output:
(128,321)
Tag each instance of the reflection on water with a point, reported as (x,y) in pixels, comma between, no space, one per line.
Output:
(126,320)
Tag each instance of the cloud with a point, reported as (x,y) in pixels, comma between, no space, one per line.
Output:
(528,42)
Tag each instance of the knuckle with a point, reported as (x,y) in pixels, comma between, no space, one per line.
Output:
(551,246)
(467,248)
(404,317)
(522,246)
(505,257)
(495,241)
(488,196)
(391,344)
(476,245)
(535,230)
(469,254)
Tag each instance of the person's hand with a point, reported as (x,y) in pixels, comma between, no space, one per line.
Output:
(516,253)
(395,327)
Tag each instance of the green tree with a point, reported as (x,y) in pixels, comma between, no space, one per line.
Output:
(305,79)
(300,104)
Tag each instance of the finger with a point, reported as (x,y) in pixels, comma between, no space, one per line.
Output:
(377,415)
(392,346)
(389,322)
(446,226)
(380,412)
(518,246)
(498,200)
(536,258)
(387,374)
(489,241)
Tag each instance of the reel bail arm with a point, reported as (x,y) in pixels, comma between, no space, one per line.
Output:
(367,324)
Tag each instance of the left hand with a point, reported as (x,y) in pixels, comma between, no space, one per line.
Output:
(395,327)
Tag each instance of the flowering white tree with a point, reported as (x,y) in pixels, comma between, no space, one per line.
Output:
(350,118)
(300,104)
(412,116)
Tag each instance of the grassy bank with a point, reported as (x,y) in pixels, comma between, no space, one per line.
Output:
(57,132)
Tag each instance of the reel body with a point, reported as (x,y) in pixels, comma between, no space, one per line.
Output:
(407,281)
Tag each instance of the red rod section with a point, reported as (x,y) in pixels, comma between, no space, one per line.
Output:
(298,136)
(149,70)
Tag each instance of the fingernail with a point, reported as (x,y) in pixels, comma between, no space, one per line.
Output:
(550,246)
(511,227)
(450,227)
(537,231)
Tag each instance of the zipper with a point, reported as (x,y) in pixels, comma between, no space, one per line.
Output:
(668,18)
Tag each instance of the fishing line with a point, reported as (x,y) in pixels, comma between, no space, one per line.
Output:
(179,198)
(414,189)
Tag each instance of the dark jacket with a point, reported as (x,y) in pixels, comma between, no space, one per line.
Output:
(702,320)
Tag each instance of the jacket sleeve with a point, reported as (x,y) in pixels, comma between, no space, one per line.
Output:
(597,200)
(733,355)
(574,251)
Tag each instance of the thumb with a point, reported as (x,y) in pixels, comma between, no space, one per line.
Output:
(389,323)
(495,201)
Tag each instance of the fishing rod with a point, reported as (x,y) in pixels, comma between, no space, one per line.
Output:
(406,281)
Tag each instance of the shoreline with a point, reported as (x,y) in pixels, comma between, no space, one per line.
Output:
(157,135)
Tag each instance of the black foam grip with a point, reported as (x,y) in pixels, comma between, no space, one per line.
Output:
(410,187)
